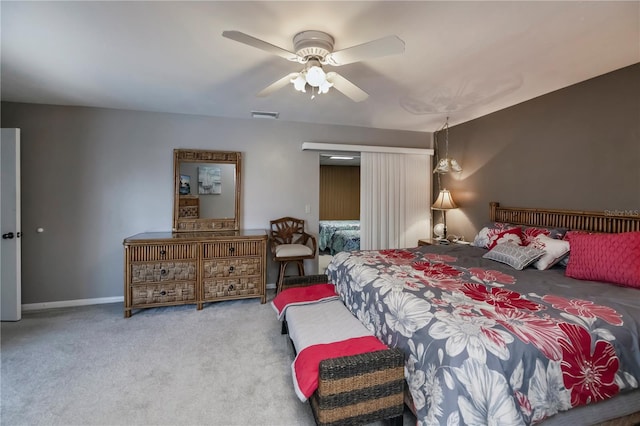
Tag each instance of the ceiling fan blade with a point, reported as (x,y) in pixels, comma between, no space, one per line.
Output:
(390,45)
(347,88)
(277,85)
(260,44)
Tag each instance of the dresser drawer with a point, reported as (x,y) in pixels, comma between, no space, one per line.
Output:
(232,249)
(229,287)
(162,252)
(147,272)
(171,292)
(230,267)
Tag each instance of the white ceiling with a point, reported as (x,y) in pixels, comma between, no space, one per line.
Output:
(462,59)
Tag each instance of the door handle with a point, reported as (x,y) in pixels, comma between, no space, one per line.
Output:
(7,236)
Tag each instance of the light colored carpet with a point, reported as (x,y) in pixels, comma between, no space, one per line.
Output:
(227,364)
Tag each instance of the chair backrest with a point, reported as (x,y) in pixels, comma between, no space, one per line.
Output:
(288,230)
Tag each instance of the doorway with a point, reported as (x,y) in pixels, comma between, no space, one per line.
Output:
(10,247)
(339,205)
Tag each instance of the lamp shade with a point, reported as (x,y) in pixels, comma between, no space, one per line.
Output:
(444,201)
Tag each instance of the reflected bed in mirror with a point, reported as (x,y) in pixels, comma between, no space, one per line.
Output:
(207,190)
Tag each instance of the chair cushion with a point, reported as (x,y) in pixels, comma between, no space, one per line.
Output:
(293,250)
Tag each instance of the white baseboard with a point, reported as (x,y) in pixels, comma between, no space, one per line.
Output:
(84,302)
(71,303)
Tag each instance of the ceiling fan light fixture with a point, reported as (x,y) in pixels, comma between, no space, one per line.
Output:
(299,82)
(315,49)
(325,86)
(316,76)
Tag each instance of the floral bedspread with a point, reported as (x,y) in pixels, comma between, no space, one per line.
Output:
(487,344)
(329,227)
(345,240)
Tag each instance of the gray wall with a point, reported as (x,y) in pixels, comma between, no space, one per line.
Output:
(576,148)
(91,177)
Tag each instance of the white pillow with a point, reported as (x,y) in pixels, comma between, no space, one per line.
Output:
(554,251)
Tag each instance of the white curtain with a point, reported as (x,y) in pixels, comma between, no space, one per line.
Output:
(395,190)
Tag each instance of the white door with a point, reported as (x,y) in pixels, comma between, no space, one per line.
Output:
(10,308)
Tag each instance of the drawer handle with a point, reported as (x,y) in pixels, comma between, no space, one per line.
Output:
(231,287)
(232,249)
(231,268)
(163,293)
(163,271)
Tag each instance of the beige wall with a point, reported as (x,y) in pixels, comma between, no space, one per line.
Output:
(576,148)
(91,177)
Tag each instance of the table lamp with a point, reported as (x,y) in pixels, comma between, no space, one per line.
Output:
(444,202)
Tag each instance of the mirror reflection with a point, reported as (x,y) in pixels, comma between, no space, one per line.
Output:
(207,190)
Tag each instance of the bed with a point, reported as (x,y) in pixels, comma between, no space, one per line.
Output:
(487,343)
(344,240)
(329,227)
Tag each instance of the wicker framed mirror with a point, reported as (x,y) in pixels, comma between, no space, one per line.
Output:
(207,190)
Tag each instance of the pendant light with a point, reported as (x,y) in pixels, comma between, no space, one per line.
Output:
(446,164)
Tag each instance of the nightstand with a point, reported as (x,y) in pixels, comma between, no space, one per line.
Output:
(435,242)
(427,242)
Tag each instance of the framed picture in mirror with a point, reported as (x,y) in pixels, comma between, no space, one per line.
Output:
(185,184)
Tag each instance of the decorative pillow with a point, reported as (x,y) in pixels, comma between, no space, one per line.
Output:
(613,258)
(497,232)
(529,233)
(518,257)
(554,251)
(567,237)
(569,234)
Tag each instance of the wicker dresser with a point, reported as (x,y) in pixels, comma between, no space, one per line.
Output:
(165,269)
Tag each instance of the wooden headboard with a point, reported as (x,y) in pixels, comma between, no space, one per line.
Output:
(605,221)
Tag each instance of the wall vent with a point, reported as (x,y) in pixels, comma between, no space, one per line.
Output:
(265,114)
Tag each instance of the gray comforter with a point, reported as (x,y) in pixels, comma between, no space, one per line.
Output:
(487,344)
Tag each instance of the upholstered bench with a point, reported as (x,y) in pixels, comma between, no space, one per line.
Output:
(346,373)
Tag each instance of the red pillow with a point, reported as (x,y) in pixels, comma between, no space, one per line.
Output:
(569,234)
(513,235)
(613,258)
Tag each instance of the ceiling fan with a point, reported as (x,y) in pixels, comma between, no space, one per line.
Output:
(314,49)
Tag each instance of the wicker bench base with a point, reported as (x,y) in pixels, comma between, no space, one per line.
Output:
(360,389)
(357,389)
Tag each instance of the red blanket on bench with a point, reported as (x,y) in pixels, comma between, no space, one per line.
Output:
(306,366)
(303,296)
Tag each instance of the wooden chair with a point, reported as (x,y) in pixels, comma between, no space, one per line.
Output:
(290,244)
